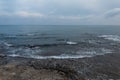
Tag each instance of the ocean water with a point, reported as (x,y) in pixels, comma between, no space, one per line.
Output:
(59,41)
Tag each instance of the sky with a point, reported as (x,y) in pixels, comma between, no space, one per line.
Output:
(59,12)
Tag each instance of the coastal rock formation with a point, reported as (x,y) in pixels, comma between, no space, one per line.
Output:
(105,67)
(16,72)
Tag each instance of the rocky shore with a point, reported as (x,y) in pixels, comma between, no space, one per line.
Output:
(104,67)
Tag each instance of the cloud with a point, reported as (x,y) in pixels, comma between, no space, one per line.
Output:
(64,7)
(112,13)
(39,15)
(73,17)
(22,14)
(28,14)
(60,11)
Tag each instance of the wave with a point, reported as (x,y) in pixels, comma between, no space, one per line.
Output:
(71,43)
(79,54)
(52,57)
(46,45)
(24,51)
(92,52)
(111,37)
(7,44)
(3,43)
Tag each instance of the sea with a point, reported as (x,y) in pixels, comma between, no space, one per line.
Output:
(59,41)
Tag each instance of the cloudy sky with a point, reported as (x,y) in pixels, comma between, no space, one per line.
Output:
(60,12)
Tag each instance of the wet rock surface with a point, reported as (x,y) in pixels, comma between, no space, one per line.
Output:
(15,72)
(106,67)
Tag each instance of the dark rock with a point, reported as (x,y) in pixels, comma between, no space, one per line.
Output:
(104,67)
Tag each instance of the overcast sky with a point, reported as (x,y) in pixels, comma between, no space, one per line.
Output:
(60,12)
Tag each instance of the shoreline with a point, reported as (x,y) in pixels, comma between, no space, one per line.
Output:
(101,67)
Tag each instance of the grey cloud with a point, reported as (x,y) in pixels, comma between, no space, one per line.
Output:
(59,11)
(112,13)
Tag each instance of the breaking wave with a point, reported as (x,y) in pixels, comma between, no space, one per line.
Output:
(71,43)
(50,57)
(5,44)
(79,54)
(111,37)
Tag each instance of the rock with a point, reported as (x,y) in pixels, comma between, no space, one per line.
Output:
(103,67)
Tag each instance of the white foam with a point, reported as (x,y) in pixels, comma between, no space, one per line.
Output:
(79,54)
(71,43)
(25,51)
(14,55)
(7,44)
(92,52)
(30,34)
(106,50)
(50,57)
(86,52)
(111,37)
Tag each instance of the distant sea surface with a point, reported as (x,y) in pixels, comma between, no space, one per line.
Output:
(59,41)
